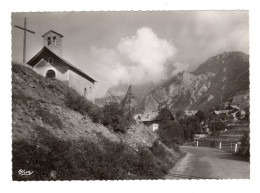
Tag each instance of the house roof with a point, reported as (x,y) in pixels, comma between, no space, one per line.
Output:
(234,107)
(137,116)
(149,116)
(190,112)
(222,112)
(34,60)
(53,32)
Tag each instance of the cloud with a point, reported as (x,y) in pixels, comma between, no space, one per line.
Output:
(207,33)
(179,67)
(140,59)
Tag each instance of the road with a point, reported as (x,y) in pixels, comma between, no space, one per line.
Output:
(209,163)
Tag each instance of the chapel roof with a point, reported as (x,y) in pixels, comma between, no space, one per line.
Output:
(53,32)
(34,60)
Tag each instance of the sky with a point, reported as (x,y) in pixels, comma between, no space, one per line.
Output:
(135,47)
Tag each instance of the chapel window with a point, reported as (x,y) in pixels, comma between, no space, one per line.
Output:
(51,74)
(85,92)
(55,40)
(49,40)
(50,60)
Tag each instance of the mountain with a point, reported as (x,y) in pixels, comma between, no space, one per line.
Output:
(139,91)
(118,93)
(216,80)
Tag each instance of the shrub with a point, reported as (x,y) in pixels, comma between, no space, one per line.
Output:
(111,114)
(212,144)
(171,133)
(18,97)
(244,148)
(78,103)
(189,125)
(217,126)
(41,154)
(114,116)
(84,160)
(49,118)
(201,115)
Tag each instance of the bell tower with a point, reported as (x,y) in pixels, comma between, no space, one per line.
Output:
(53,41)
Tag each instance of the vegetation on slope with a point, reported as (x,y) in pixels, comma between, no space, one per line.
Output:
(58,135)
(173,132)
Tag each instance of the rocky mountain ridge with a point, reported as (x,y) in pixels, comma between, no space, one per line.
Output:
(216,80)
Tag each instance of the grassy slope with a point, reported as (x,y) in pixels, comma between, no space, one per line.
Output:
(58,143)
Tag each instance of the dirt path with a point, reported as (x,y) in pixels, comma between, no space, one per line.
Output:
(207,163)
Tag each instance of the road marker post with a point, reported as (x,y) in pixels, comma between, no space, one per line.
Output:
(220,145)
(236,148)
(197,143)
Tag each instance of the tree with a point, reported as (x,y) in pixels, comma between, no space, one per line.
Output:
(200,115)
(165,115)
(179,114)
(247,115)
(190,125)
(217,126)
(114,116)
(245,145)
(170,133)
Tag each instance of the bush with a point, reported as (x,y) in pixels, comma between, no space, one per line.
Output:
(217,126)
(84,160)
(18,97)
(111,114)
(212,144)
(170,133)
(190,125)
(201,116)
(244,148)
(78,103)
(50,118)
(42,153)
(115,117)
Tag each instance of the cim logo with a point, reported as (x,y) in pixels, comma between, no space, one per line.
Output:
(24,172)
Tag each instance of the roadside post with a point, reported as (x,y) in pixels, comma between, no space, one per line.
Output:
(197,143)
(236,148)
(220,145)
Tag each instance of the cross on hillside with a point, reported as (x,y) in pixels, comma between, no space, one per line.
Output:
(24,38)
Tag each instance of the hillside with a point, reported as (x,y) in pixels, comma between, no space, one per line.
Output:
(218,79)
(58,143)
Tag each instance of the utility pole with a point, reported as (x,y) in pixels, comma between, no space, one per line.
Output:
(221,101)
(24,38)
(127,101)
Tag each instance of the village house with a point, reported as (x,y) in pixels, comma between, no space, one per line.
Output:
(137,117)
(151,121)
(189,113)
(49,62)
(231,112)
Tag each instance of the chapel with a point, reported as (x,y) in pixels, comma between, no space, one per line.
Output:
(50,63)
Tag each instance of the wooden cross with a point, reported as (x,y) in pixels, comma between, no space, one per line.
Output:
(24,38)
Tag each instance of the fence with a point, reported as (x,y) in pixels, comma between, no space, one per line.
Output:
(229,146)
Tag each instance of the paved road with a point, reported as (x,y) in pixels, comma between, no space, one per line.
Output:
(207,163)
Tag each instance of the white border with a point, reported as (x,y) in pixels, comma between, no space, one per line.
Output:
(191,186)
